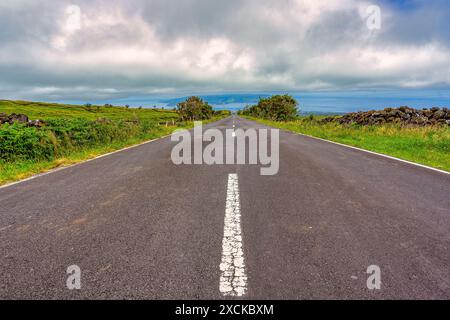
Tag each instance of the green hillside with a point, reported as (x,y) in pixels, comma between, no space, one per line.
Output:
(47,111)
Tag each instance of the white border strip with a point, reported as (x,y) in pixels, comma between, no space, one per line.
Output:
(359,149)
(372,152)
(81,162)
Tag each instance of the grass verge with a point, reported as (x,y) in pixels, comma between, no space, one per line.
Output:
(424,145)
(73,134)
(22,169)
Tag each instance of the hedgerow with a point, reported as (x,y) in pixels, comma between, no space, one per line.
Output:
(62,136)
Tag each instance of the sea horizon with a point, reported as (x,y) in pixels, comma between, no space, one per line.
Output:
(320,102)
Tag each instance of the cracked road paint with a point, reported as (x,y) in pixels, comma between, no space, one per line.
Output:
(233,278)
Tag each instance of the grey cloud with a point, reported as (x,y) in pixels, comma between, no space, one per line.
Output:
(164,45)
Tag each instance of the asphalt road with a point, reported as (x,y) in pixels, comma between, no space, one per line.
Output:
(141,227)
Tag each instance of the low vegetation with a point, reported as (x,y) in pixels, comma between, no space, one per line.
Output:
(47,111)
(61,137)
(428,145)
(66,134)
(222,113)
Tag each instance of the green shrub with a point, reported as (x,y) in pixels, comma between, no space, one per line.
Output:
(18,142)
(61,136)
(222,113)
(275,108)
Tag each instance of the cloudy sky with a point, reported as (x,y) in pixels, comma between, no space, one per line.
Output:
(114,49)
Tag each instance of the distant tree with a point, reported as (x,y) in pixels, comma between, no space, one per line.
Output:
(225,113)
(194,108)
(88,106)
(127,106)
(276,108)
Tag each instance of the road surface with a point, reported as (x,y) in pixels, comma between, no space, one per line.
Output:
(140,227)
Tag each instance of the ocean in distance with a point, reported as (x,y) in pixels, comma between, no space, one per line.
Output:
(319,102)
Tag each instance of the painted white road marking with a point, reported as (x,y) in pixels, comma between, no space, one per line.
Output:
(374,153)
(233,277)
(5,228)
(80,163)
(371,152)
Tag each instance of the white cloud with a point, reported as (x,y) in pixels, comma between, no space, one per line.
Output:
(137,47)
(71,23)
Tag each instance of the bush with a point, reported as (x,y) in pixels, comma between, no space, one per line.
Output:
(61,136)
(275,108)
(18,142)
(225,113)
(194,108)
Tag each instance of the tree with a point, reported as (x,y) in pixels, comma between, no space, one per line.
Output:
(276,108)
(194,108)
(225,113)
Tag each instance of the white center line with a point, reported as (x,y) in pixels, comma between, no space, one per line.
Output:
(233,278)
(7,227)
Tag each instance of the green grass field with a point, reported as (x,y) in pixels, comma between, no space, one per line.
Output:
(425,145)
(74,133)
(47,111)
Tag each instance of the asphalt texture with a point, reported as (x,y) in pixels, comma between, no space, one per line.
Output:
(140,227)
